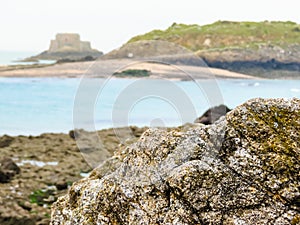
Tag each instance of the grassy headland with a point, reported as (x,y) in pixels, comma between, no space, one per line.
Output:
(267,49)
(226,34)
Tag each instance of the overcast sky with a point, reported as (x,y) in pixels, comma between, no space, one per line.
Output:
(28,25)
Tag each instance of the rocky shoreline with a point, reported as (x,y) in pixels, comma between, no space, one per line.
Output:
(242,169)
(36,170)
(48,164)
(268,61)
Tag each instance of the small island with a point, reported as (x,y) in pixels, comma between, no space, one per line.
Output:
(68,47)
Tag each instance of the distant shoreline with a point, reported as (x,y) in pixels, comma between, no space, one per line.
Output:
(107,67)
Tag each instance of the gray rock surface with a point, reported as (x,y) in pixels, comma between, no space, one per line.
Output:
(244,169)
(213,114)
(157,51)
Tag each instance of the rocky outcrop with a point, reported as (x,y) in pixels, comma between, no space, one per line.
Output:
(263,53)
(261,61)
(213,114)
(8,169)
(5,141)
(144,49)
(244,169)
(155,50)
(66,56)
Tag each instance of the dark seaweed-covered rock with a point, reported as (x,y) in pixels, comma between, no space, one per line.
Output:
(213,114)
(5,141)
(8,169)
(243,169)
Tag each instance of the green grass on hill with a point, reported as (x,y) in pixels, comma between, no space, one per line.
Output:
(225,34)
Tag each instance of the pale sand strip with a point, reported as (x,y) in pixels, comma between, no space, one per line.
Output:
(105,68)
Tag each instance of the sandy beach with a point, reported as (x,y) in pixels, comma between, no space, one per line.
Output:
(105,68)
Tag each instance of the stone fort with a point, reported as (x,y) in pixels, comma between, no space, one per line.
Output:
(68,42)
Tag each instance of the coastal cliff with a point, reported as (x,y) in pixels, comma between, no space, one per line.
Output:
(243,169)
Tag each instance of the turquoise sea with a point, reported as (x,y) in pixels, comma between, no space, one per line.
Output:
(31,106)
(13,57)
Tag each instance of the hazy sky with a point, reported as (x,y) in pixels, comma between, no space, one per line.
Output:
(28,25)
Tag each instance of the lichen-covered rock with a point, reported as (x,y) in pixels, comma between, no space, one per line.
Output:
(244,169)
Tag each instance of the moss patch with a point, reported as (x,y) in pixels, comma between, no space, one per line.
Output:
(42,197)
(133,73)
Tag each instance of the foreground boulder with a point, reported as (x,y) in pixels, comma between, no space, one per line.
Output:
(244,169)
